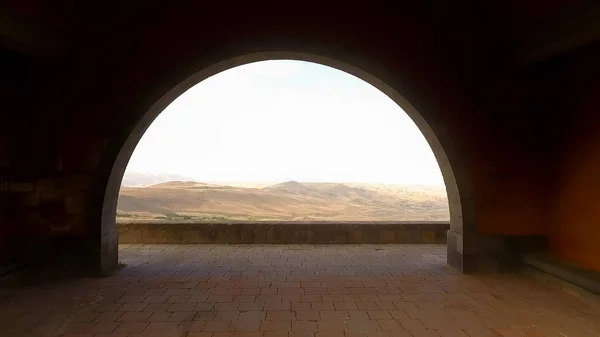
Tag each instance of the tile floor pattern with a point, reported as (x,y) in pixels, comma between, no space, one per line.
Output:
(294,291)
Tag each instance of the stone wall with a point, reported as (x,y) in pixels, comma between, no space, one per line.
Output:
(282,232)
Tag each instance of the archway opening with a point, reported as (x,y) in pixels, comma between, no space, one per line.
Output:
(109,255)
(283,140)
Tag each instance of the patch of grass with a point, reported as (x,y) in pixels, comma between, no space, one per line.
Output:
(177,216)
(213,217)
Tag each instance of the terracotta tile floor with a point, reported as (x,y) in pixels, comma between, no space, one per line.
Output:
(291,290)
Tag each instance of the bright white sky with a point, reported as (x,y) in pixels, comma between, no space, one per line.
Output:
(275,121)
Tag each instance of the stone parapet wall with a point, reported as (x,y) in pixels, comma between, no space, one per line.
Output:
(243,232)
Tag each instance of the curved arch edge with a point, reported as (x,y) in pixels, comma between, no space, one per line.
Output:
(118,164)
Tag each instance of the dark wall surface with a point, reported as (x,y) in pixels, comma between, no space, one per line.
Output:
(70,121)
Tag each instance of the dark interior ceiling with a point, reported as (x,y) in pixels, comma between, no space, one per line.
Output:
(536,30)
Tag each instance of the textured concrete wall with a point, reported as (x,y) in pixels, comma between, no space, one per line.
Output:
(574,229)
(287,232)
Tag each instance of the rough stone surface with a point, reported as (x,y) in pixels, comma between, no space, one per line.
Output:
(285,232)
(293,290)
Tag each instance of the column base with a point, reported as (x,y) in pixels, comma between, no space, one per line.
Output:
(481,254)
(454,252)
(109,253)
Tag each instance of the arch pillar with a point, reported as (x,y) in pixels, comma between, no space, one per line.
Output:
(121,149)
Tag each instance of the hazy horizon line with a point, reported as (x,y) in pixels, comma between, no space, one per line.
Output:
(269,182)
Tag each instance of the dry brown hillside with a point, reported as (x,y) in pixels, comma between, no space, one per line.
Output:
(137,179)
(286,201)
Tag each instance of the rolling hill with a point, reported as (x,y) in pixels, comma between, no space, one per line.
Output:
(292,200)
(136,179)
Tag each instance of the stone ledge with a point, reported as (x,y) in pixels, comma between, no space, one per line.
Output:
(579,282)
(248,232)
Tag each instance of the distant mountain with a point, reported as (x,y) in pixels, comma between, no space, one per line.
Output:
(288,185)
(136,179)
(176,184)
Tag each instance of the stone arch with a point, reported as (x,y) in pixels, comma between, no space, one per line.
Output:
(110,185)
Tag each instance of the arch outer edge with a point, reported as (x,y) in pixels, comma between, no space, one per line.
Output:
(111,184)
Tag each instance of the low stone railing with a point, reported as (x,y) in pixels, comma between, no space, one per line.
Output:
(248,232)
